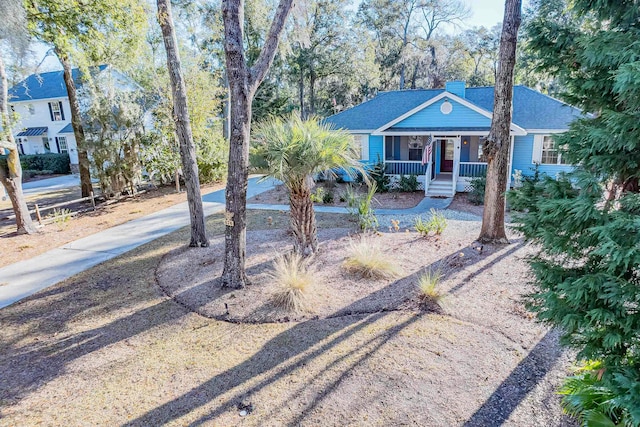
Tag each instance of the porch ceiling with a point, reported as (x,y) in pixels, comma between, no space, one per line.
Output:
(439,129)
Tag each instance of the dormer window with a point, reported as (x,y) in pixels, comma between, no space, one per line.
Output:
(56,111)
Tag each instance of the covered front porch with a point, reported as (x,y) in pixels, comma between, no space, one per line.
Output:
(447,161)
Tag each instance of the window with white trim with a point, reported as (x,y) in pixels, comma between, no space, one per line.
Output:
(56,111)
(551,152)
(62,143)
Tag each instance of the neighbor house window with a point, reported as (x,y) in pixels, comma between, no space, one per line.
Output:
(551,154)
(56,111)
(62,144)
(32,109)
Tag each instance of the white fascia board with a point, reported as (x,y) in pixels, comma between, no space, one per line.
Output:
(517,130)
(410,113)
(360,131)
(547,131)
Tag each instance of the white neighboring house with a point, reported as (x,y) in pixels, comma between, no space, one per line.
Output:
(44,113)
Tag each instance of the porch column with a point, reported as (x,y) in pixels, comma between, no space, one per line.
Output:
(510,163)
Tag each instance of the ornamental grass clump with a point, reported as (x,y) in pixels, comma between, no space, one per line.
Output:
(367,259)
(428,292)
(360,207)
(436,224)
(294,276)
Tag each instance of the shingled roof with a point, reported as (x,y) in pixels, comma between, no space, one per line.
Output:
(531,109)
(44,85)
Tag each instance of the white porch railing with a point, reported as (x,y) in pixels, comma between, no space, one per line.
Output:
(472,169)
(427,178)
(404,167)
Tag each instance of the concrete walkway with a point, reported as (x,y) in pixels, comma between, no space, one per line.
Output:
(44,186)
(27,277)
(49,184)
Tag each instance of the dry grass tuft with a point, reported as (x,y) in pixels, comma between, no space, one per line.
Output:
(367,259)
(294,276)
(428,288)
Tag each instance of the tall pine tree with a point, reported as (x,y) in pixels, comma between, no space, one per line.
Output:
(587,224)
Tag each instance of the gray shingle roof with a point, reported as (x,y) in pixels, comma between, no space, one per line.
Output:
(382,109)
(44,86)
(531,109)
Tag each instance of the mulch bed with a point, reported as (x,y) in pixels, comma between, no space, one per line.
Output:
(388,200)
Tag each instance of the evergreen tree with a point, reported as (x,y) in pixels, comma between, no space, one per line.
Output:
(587,224)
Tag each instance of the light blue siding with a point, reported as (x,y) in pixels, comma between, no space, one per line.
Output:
(376,148)
(523,158)
(431,116)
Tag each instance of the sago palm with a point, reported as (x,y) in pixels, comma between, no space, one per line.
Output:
(293,150)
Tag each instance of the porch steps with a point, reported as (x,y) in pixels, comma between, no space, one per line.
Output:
(440,188)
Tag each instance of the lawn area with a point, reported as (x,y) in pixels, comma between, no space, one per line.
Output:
(111,347)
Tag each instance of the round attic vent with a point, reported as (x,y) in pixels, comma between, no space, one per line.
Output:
(446,107)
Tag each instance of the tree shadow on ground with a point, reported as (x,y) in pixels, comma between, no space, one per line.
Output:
(523,379)
(280,354)
(28,367)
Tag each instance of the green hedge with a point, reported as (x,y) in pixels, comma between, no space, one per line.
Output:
(56,163)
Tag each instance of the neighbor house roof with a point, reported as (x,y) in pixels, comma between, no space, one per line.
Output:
(531,109)
(33,131)
(67,129)
(44,86)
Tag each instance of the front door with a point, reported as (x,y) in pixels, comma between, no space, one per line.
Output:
(446,159)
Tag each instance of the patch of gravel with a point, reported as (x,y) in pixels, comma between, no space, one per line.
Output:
(407,221)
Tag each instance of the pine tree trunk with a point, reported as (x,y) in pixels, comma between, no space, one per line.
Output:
(303,221)
(498,142)
(243,82)
(76,122)
(183,127)
(234,275)
(11,176)
(226,108)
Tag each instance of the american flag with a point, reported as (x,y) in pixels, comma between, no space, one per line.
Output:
(426,153)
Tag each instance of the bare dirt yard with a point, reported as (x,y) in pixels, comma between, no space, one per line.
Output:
(107,215)
(124,344)
(388,200)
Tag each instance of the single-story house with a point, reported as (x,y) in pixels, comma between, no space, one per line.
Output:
(438,134)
